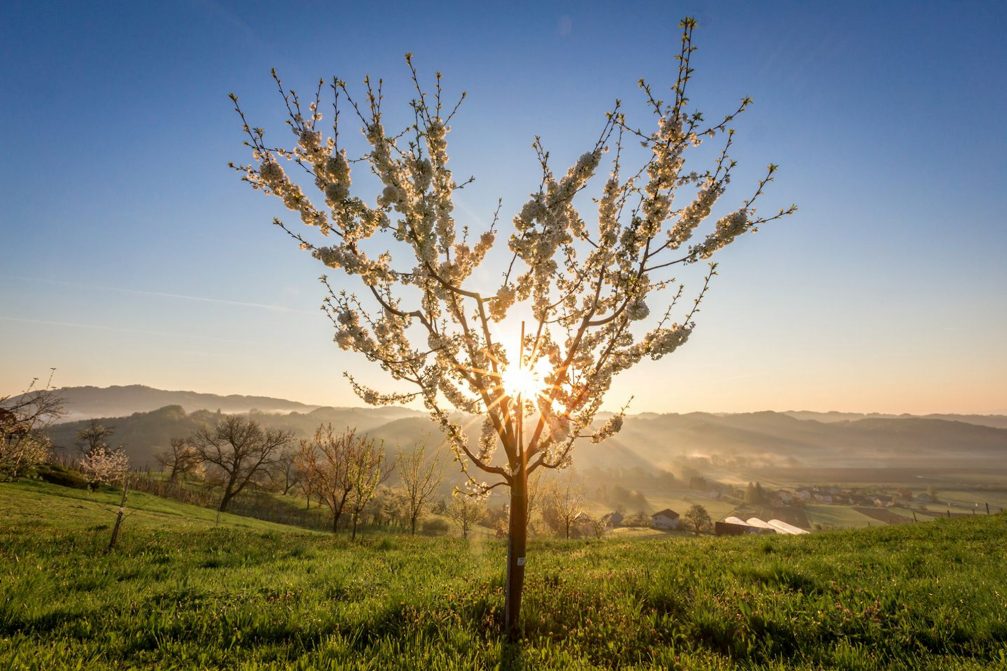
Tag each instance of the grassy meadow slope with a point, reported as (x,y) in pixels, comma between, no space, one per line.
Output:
(181,593)
(38,508)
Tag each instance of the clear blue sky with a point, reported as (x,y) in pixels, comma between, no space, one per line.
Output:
(131,254)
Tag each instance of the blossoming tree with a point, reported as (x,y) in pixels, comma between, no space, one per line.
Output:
(23,444)
(104,465)
(583,294)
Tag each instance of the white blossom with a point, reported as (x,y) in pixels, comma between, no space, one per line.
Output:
(104,465)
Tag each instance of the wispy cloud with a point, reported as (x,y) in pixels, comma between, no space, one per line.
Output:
(164,294)
(132,331)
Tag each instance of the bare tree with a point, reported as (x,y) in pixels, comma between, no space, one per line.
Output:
(285,472)
(180,459)
(562,501)
(240,450)
(325,461)
(697,518)
(420,478)
(590,525)
(466,510)
(23,445)
(599,298)
(95,435)
(533,500)
(307,487)
(366,471)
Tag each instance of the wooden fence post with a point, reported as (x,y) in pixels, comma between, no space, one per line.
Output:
(118,516)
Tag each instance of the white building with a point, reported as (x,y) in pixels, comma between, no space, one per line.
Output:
(665,519)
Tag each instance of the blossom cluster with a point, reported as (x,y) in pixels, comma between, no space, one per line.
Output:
(104,465)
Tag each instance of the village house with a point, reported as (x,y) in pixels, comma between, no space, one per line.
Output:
(665,519)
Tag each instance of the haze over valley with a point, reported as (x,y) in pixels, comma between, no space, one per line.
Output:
(655,461)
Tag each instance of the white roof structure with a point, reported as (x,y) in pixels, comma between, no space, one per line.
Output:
(776,526)
(785,528)
(756,522)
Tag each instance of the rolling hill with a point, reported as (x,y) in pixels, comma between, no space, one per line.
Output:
(735,447)
(119,401)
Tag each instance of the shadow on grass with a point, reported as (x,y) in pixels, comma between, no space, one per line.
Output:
(512,657)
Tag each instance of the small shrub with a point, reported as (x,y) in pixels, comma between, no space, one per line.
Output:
(435,526)
(62,476)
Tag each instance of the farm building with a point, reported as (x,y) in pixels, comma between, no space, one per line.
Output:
(665,519)
(756,522)
(734,526)
(612,519)
(786,528)
(730,529)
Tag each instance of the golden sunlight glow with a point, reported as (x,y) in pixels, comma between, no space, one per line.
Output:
(526,382)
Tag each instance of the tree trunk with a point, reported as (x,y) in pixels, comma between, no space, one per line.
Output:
(335,522)
(412,525)
(224,500)
(517,542)
(353,534)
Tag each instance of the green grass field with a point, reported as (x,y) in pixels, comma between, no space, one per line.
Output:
(180,593)
(837,517)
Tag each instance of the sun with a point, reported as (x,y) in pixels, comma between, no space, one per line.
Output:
(525,382)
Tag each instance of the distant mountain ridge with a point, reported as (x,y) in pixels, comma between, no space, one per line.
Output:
(120,401)
(998,421)
(88,402)
(741,445)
